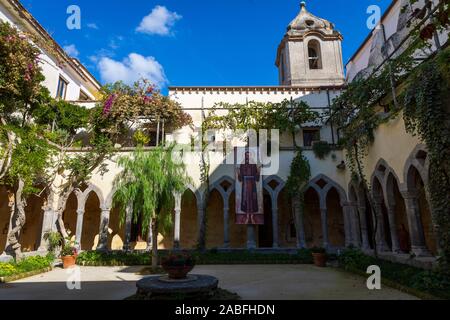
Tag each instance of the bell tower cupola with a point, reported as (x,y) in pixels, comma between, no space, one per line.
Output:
(310,54)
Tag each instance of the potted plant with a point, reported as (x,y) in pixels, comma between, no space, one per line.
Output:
(178,264)
(69,254)
(319,256)
(321,149)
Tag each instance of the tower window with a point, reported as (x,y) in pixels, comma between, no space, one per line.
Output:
(314,55)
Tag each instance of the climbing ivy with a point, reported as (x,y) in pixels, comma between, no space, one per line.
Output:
(419,90)
(427,115)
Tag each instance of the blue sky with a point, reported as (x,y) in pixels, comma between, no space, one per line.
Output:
(196,42)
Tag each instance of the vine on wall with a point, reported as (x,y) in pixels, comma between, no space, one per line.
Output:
(420,90)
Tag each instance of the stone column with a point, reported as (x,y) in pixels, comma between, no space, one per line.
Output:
(354,224)
(299,223)
(103,232)
(379,236)
(364,228)
(226,226)
(418,246)
(393,228)
(275,223)
(348,224)
(251,237)
(79,230)
(324,219)
(128,223)
(177,227)
(47,226)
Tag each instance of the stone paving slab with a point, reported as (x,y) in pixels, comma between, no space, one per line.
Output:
(265,282)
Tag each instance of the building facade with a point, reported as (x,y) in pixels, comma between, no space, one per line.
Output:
(336,214)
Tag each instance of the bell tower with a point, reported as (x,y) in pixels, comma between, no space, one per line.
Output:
(310,53)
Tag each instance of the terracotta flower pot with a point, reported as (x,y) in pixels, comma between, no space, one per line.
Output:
(69,261)
(320,259)
(177,272)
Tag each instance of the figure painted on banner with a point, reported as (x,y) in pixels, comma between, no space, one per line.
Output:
(249,175)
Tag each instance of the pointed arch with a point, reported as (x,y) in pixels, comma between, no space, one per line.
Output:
(323,190)
(418,159)
(85,195)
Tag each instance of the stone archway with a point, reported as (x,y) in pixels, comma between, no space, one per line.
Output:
(383,233)
(417,189)
(323,185)
(30,236)
(415,193)
(312,219)
(70,214)
(189,225)
(116,230)
(335,219)
(91,222)
(287,223)
(396,204)
(214,220)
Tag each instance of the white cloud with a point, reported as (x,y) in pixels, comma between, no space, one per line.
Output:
(92,26)
(159,21)
(71,50)
(131,69)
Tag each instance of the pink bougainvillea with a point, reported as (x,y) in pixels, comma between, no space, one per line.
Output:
(108,104)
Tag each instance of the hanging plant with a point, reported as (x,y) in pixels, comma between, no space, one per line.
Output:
(321,149)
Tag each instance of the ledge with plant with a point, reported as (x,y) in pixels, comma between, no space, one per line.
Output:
(24,268)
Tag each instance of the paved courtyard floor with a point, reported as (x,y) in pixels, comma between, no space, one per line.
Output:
(265,282)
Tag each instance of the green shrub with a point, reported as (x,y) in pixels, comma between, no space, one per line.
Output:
(432,282)
(7,269)
(321,149)
(26,265)
(214,256)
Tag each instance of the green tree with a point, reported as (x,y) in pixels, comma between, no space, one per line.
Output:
(147,184)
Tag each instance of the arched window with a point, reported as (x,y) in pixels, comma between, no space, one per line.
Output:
(314,55)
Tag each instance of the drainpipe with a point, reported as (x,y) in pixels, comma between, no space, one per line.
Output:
(331,121)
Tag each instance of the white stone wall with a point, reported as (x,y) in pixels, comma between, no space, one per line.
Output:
(51,69)
(394,33)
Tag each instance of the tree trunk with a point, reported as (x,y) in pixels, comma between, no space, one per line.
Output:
(18,221)
(59,213)
(154,227)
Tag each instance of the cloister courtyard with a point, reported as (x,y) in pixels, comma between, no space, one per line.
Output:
(250,282)
(331,181)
